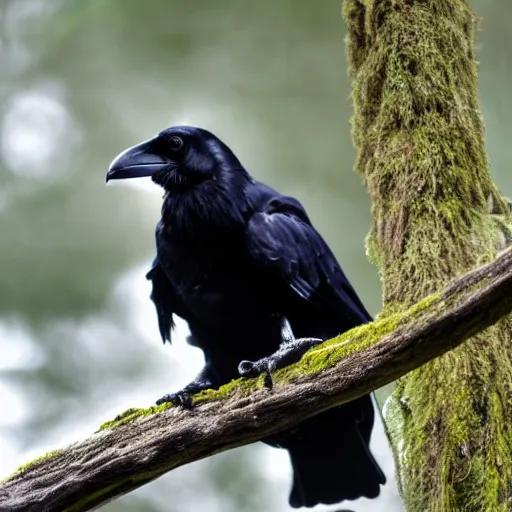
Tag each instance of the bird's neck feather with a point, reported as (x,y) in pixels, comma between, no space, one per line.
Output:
(207,209)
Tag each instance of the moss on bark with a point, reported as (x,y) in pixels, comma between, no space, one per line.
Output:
(420,143)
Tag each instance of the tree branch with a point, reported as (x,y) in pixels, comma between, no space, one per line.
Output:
(138,449)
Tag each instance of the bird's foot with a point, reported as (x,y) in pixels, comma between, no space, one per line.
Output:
(264,366)
(288,353)
(183,398)
(179,399)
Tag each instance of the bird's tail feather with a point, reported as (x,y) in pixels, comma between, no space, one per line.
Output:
(331,458)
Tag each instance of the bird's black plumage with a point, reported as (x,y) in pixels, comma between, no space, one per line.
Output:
(237,260)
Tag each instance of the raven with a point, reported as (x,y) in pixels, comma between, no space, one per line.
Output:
(243,265)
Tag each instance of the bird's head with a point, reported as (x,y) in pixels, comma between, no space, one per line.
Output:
(178,158)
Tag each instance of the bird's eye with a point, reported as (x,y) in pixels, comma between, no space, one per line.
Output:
(175,143)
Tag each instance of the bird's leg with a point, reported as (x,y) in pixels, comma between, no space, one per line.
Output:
(289,352)
(183,397)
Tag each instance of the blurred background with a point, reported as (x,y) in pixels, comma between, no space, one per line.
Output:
(82,80)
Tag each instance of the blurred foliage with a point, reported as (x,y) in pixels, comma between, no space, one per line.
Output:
(82,80)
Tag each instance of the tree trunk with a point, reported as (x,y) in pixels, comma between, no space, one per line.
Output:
(420,142)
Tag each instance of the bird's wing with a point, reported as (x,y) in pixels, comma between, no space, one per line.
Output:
(282,241)
(163,296)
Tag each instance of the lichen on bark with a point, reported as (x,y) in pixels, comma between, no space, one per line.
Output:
(418,133)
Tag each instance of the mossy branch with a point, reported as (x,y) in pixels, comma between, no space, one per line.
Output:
(144,444)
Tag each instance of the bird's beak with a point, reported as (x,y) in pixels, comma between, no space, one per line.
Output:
(136,162)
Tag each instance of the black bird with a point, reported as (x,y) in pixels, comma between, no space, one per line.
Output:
(240,263)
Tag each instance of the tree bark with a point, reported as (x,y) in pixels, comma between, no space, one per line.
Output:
(144,444)
(420,142)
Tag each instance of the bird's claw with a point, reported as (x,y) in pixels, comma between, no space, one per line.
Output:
(250,369)
(178,399)
(264,366)
(288,353)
